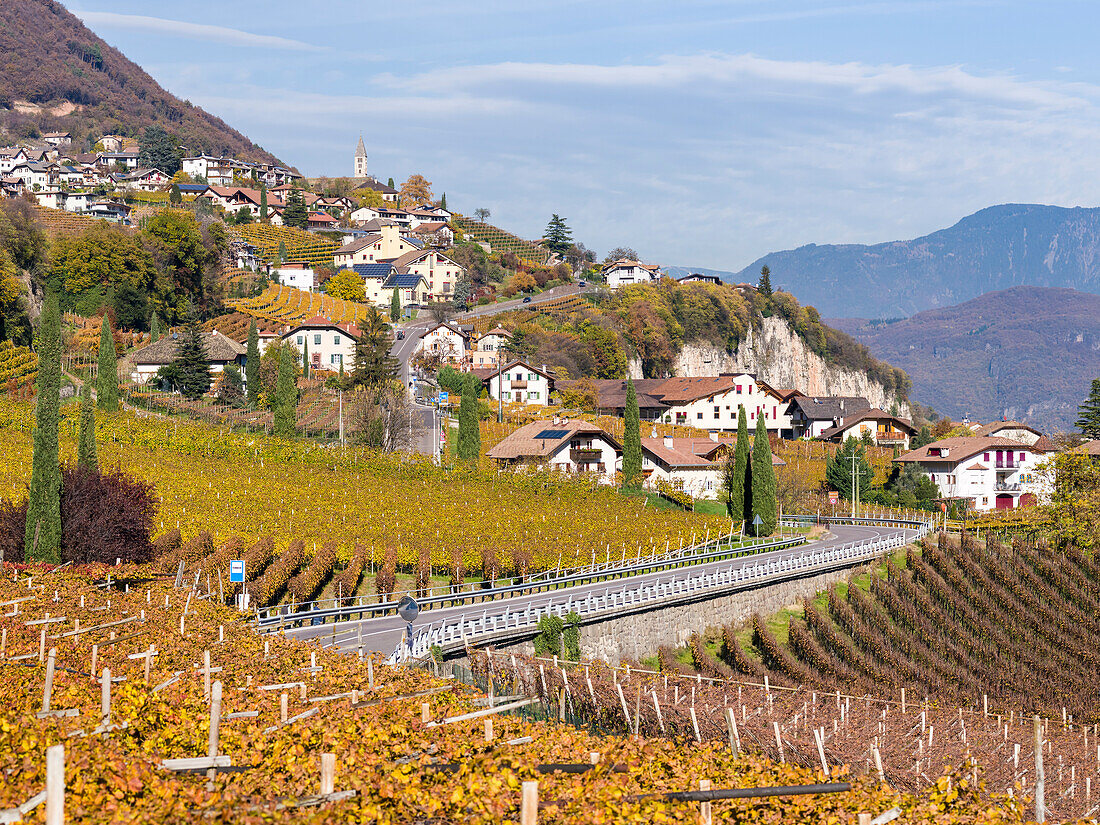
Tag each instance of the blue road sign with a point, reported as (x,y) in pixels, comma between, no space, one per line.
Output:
(236,571)
(443,396)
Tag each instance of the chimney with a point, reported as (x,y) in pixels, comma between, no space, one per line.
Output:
(714,436)
(842,405)
(668,442)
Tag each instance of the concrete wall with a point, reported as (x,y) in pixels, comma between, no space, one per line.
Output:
(639,635)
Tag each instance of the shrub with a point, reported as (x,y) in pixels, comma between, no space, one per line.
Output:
(105,516)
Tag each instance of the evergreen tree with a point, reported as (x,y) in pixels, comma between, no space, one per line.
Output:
(285,406)
(838,469)
(155,331)
(85,447)
(43,530)
(736,474)
(765,285)
(296,214)
(469,433)
(158,151)
(282,252)
(252,365)
(263,202)
(443,201)
(395,306)
(373,363)
(174,196)
(632,439)
(763,482)
(305,358)
(558,237)
(106,383)
(1089,421)
(390,184)
(191,366)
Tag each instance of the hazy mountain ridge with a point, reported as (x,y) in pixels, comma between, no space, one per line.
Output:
(993,249)
(1026,352)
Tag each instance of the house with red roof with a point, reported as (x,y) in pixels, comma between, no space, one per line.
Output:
(984,472)
(328,345)
(884,429)
(693,465)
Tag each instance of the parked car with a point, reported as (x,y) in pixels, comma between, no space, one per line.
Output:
(401,335)
(527,299)
(582,283)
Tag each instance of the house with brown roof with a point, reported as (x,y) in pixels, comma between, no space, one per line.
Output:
(884,429)
(984,472)
(693,465)
(485,349)
(221,350)
(1015,430)
(561,444)
(810,416)
(518,383)
(625,272)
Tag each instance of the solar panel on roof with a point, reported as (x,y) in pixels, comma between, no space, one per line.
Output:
(553,434)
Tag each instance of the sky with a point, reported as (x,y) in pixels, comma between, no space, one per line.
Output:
(699,133)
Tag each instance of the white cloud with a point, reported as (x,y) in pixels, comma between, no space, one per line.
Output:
(194,31)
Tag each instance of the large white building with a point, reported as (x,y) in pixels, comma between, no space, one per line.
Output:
(984,472)
(329,346)
(625,272)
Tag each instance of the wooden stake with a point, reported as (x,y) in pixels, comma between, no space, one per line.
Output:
(695,723)
(206,677)
(328,773)
(705,815)
(105,695)
(47,690)
(370,672)
(878,763)
(55,785)
(284,700)
(779,742)
(215,722)
(488,728)
(819,738)
(1040,775)
(735,735)
(529,804)
(425,713)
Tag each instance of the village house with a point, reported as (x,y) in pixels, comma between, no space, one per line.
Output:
(233,198)
(563,445)
(446,341)
(32,173)
(1014,430)
(488,346)
(296,275)
(697,278)
(143,364)
(811,416)
(388,193)
(127,159)
(141,180)
(112,143)
(624,272)
(983,472)
(519,383)
(693,465)
(328,345)
(435,234)
(886,430)
(380,280)
(441,273)
(57,138)
(384,246)
(711,403)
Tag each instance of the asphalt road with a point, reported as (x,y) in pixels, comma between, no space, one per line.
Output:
(383,633)
(543,297)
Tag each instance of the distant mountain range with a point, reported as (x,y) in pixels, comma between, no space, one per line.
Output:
(994,249)
(57,75)
(1027,353)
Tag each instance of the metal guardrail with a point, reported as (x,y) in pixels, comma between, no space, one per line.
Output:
(509,624)
(283,616)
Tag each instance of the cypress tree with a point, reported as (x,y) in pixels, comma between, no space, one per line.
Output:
(85,448)
(1089,421)
(763,482)
(252,364)
(765,285)
(443,201)
(632,439)
(106,384)
(395,306)
(305,358)
(263,202)
(191,362)
(736,473)
(42,540)
(469,433)
(286,395)
(155,332)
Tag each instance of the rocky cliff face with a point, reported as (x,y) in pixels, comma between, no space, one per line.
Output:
(782,359)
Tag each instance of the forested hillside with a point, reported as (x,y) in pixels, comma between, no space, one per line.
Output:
(1026,352)
(57,75)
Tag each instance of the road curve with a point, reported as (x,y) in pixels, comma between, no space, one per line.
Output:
(383,633)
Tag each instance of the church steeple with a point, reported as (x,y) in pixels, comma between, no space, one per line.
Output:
(361,158)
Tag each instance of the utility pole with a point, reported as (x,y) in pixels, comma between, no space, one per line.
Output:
(500,384)
(340,401)
(854,457)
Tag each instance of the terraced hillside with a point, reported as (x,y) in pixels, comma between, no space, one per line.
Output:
(283,305)
(501,241)
(300,245)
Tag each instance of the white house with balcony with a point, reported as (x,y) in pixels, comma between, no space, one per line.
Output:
(712,402)
(446,341)
(884,429)
(329,346)
(518,383)
(624,272)
(561,444)
(693,465)
(984,472)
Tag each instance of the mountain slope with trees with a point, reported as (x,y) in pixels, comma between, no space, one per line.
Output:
(58,75)
(993,249)
(1026,353)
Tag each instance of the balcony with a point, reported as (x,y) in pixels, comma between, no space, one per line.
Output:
(890,437)
(1008,464)
(1002,487)
(585,455)
(519,385)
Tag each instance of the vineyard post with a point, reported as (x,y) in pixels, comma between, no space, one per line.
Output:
(731,723)
(328,773)
(1040,801)
(215,721)
(529,805)
(47,690)
(705,815)
(105,695)
(55,785)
